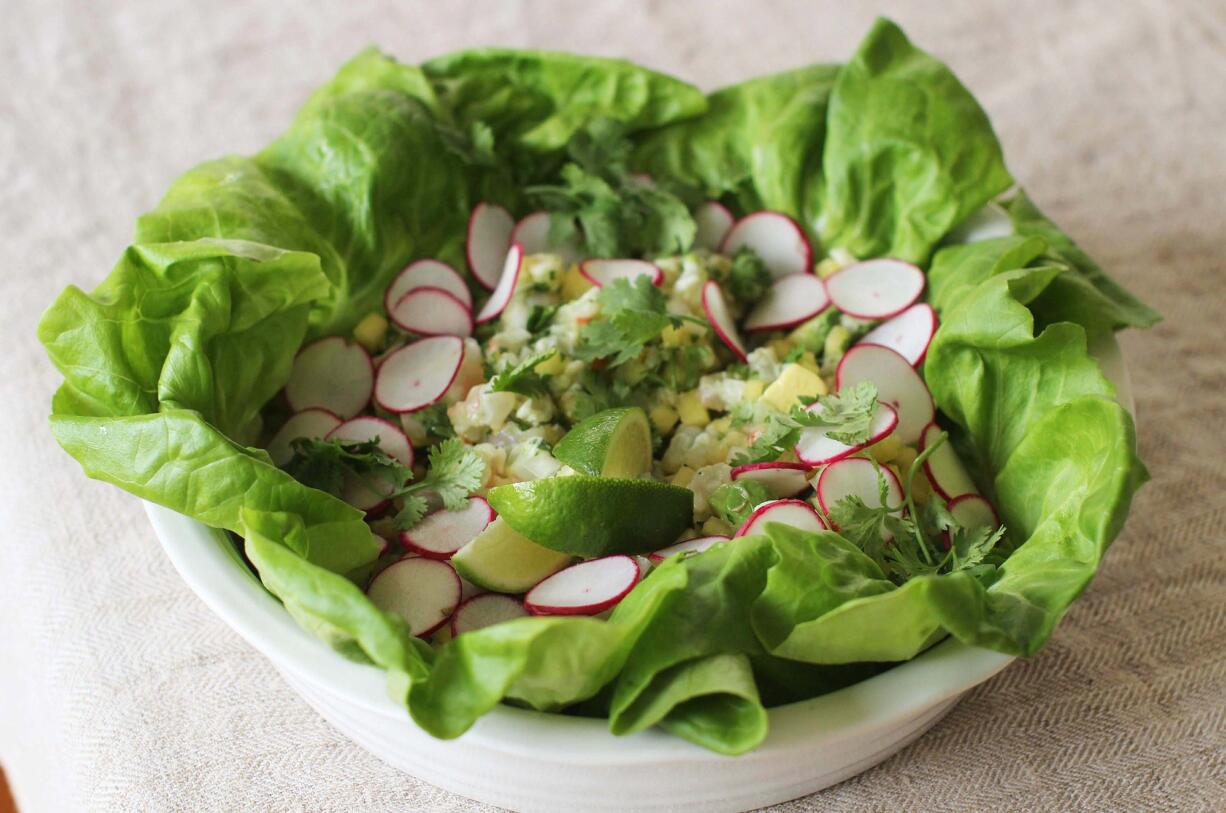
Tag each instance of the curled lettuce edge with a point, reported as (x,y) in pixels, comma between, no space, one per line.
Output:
(169,362)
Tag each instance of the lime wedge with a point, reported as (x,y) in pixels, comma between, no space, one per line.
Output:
(501,560)
(613,443)
(595,516)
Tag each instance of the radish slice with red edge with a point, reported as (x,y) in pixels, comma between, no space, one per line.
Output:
(782,479)
(427,273)
(716,308)
(696,545)
(789,301)
(815,448)
(333,374)
(776,238)
(796,514)
(392,440)
(973,511)
(908,334)
(424,592)
(532,232)
(857,477)
(311,423)
(587,588)
(418,374)
(442,533)
(501,297)
(489,239)
(875,289)
(897,382)
(430,311)
(601,272)
(713,220)
(485,610)
(943,468)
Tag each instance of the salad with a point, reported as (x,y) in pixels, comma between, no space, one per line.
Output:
(549,380)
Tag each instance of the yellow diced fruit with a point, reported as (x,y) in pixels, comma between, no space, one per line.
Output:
(691,411)
(809,362)
(904,457)
(663,418)
(722,425)
(792,384)
(683,476)
(717,527)
(753,389)
(780,347)
(371,331)
(551,366)
(674,337)
(836,342)
(886,449)
(574,284)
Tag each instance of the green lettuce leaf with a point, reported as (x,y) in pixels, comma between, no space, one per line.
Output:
(760,142)
(909,153)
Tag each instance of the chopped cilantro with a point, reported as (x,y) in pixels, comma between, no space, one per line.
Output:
(749,279)
(523,377)
(846,416)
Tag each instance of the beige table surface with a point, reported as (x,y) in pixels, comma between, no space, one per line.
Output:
(119,691)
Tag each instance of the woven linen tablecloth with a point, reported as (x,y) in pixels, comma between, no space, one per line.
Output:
(119,691)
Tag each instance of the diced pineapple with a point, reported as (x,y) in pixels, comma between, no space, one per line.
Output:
(683,476)
(809,362)
(827,267)
(754,388)
(663,418)
(836,343)
(574,284)
(887,449)
(721,425)
(691,411)
(717,527)
(551,366)
(674,336)
(371,331)
(794,382)
(781,347)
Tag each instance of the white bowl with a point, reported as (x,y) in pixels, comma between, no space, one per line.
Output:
(532,761)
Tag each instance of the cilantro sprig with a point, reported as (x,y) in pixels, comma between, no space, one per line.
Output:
(610,210)
(455,471)
(633,314)
(523,379)
(904,545)
(846,416)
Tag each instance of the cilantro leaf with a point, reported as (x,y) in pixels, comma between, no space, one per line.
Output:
(846,414)
(455,471)
(775,439)
(733,502)
(603,205)
(749,279)
(632,314)
(523,378)
(325,464)
(540,318)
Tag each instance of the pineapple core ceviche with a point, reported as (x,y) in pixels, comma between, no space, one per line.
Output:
(626,378)
(551,380)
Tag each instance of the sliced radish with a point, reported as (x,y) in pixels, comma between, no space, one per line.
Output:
(587,588)
(945,471)
(427,273)
(897,382)
(532,232)
(973,511)
(908,334)
(444,532)
(875,289)
(696,545)
(392,440)
(791,300)
(814,448)
(601,272)
(309,423)
(333,374)
(383,544)
(485,610)
(780,478)
(792,513)
(489,239)
(777,239)
(713,220)
(857,477)
(430,311)
(418,374)
(424,592)
(716,308)
(645,564)
(501,297)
